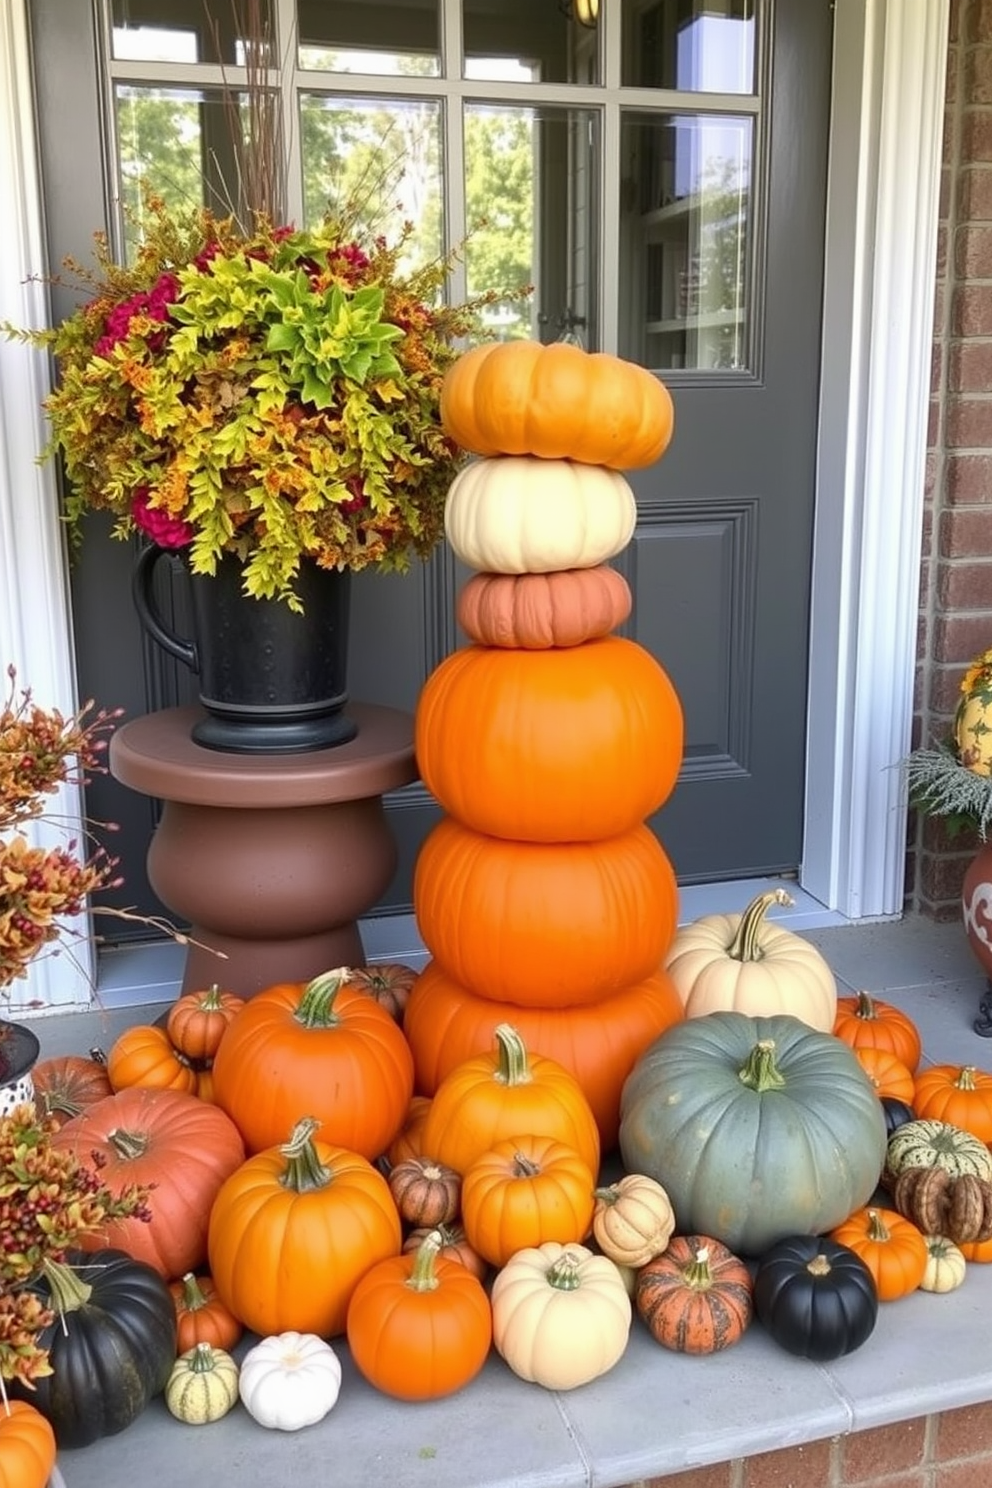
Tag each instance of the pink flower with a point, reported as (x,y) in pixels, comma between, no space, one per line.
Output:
(163,528)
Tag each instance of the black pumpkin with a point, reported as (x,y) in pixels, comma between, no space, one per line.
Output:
(111,1347)
(897,1113)
(816,1298)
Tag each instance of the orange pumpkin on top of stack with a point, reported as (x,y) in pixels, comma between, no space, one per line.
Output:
(543,898)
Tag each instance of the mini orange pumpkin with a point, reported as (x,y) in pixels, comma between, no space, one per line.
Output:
(201,1317)
(537,610)
(864,1021)
(696,1297)
(67,1084)
(196,1021)
(523,1191)
(892,1248)
(144,1055)
(958,1094)
(522,398)
(27,1446)
(886,1072)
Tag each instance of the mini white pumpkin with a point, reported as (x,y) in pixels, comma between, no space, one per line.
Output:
(203,1385)
(516,514)
(290,1380)
(946,1265)
(561,1314)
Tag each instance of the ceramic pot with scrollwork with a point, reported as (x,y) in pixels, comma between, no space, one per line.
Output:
(19,1050)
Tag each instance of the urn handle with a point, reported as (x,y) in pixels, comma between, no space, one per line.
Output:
(142,591)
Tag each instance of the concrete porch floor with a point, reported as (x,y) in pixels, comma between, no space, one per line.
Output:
(653,1414)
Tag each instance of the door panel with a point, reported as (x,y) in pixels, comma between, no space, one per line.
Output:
(720,562)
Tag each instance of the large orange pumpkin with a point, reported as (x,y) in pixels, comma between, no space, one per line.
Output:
(294,1229)
(181,1145)
(544,924)
(502,1094)
(324,1049)
(556,401)
(599,1043)
(537,610)
(567,745)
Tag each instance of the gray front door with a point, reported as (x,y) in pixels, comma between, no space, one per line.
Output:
(656,169)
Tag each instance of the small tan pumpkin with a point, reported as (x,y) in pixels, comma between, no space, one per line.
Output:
(536,611)
(741,963)
(633,1220)
(946,1265)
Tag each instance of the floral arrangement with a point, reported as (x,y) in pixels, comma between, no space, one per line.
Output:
(272,394)
(48,1202)
(39,750)
(953,779)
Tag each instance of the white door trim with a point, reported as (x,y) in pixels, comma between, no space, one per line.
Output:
(887,117)
(890,63)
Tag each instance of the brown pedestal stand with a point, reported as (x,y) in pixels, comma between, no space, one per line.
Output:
(270,858)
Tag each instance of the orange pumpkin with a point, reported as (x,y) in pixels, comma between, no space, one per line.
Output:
(323,1049)
(407,1141)
(196,1021)
(68,1084)
(205,1084)
(522,398)
(892,1248)
(389,983)
(696,1297)
(169,1139)
(533,611)
(600,1043)
(868,1022)
(977,1250)
(550,746)
(523,1191)
(504,1093)
(543,924)
(27,1446)
(891,1078)
(419,1327)
(201,1317)
(294,1228)
(144,1055)
(958,1094)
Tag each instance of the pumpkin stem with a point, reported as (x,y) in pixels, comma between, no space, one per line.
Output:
(697,1273)
(563,1274)
(524,1167)
(608,1195)
(819,1265)
(877,1229)
(68,1290)
(128,1144)
(745,945)
(201,1360)
(966,1078)
(760,1071)
(193,1298)
(316,1009)
(209,1001)
(98,1057)
(422,1277)
(304,1170)
(865,1007)
(513,1067)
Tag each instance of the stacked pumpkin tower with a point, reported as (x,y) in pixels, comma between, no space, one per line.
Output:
(542,896)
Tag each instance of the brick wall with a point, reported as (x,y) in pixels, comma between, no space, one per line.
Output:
(951,1450)
(956,577)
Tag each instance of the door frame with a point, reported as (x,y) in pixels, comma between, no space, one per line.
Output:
(888,78)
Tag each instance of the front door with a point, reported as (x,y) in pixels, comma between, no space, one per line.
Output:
(656,169)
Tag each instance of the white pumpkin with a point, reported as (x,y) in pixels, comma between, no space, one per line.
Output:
(739,963)
(289,1380)
(561,1314)
(516,514)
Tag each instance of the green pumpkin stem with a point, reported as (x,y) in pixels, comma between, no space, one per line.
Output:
(128,1144)
(68,1290)
(304,1170)
(513,1067)
(210,999)
(877,1229)
(697,1273)
(193,1298)
(865,1007)
(760,1071)
(745,946)
(608,1195)
(316,1009)
(423,1277)
(563,1274)
(966,1078)
(201,1359)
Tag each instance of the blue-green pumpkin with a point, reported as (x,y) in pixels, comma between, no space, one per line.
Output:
(757,1128)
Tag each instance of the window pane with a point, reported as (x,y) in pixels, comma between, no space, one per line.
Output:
(532,189)
(694,45)
(685,235)
(533,40)
(187,30)
(378,162)
(348,36)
